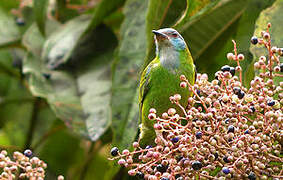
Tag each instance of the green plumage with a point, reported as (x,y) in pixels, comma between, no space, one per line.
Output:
(161,79)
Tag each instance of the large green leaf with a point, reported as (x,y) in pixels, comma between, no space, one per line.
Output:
(202,30)
(82,102)
(61,45)
(9,32)
(195,8)
(40,10)
(33,40)
(274,16)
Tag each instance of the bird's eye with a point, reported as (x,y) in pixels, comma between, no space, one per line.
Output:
(174,35)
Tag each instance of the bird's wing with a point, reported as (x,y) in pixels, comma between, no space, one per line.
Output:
(145,84)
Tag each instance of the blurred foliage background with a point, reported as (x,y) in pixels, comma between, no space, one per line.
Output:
(69,69)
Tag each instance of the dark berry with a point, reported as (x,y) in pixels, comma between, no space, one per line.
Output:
(180,178)
(179,158)
(28,153)
(231,129)
(246,131)
(46,75)
(252,109)
(216,155)
(254,40)
(232,71)
(241,95)
(225,170)
(225,159)
(225,68)
(114,151)
(148,147)
(271,103)
(177,176)
(227,121)
(199,135)
(196,165)
(281,67)
(161,168)
(236,90)
(216,77)
(195,120)
(175,140)
(252,176)
(140,175)
(164,178)
(198,92)
(20,21)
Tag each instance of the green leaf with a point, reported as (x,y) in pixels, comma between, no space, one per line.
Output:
(104,8)
(82,102)
(274,16)
(59,46)
(33,40)
(195,7)
(9,32)
(202,30)
(63,43)
(40,10)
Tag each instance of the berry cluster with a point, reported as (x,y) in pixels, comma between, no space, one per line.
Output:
(228,130)
(23,166)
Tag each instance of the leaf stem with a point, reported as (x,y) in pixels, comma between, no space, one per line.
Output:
(32,124)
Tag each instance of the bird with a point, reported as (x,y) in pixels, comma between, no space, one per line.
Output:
(161,79)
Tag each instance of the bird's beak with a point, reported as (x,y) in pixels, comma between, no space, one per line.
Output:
(159,35)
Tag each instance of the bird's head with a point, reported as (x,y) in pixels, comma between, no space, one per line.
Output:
(169,38)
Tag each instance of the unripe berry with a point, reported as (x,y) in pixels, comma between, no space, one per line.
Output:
(182,77)
(152,110)
(171,111)
(230,56)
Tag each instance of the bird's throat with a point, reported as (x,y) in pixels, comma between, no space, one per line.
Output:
(169,58)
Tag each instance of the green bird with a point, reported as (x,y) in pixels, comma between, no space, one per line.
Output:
(161,79)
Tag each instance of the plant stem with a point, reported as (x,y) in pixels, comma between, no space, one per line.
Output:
(32,124)
(89,157)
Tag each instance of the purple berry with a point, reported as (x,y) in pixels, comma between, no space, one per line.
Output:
(140,175)
(241,95)
(232,71)
(254,40)
(231,129)
(199,135)
(148,147)
(225,68)
(28,153)
(196,165)
(161,168)
(225,159)
(225,170)
(114,151)
(252,176)
(271,103)
(175,140)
